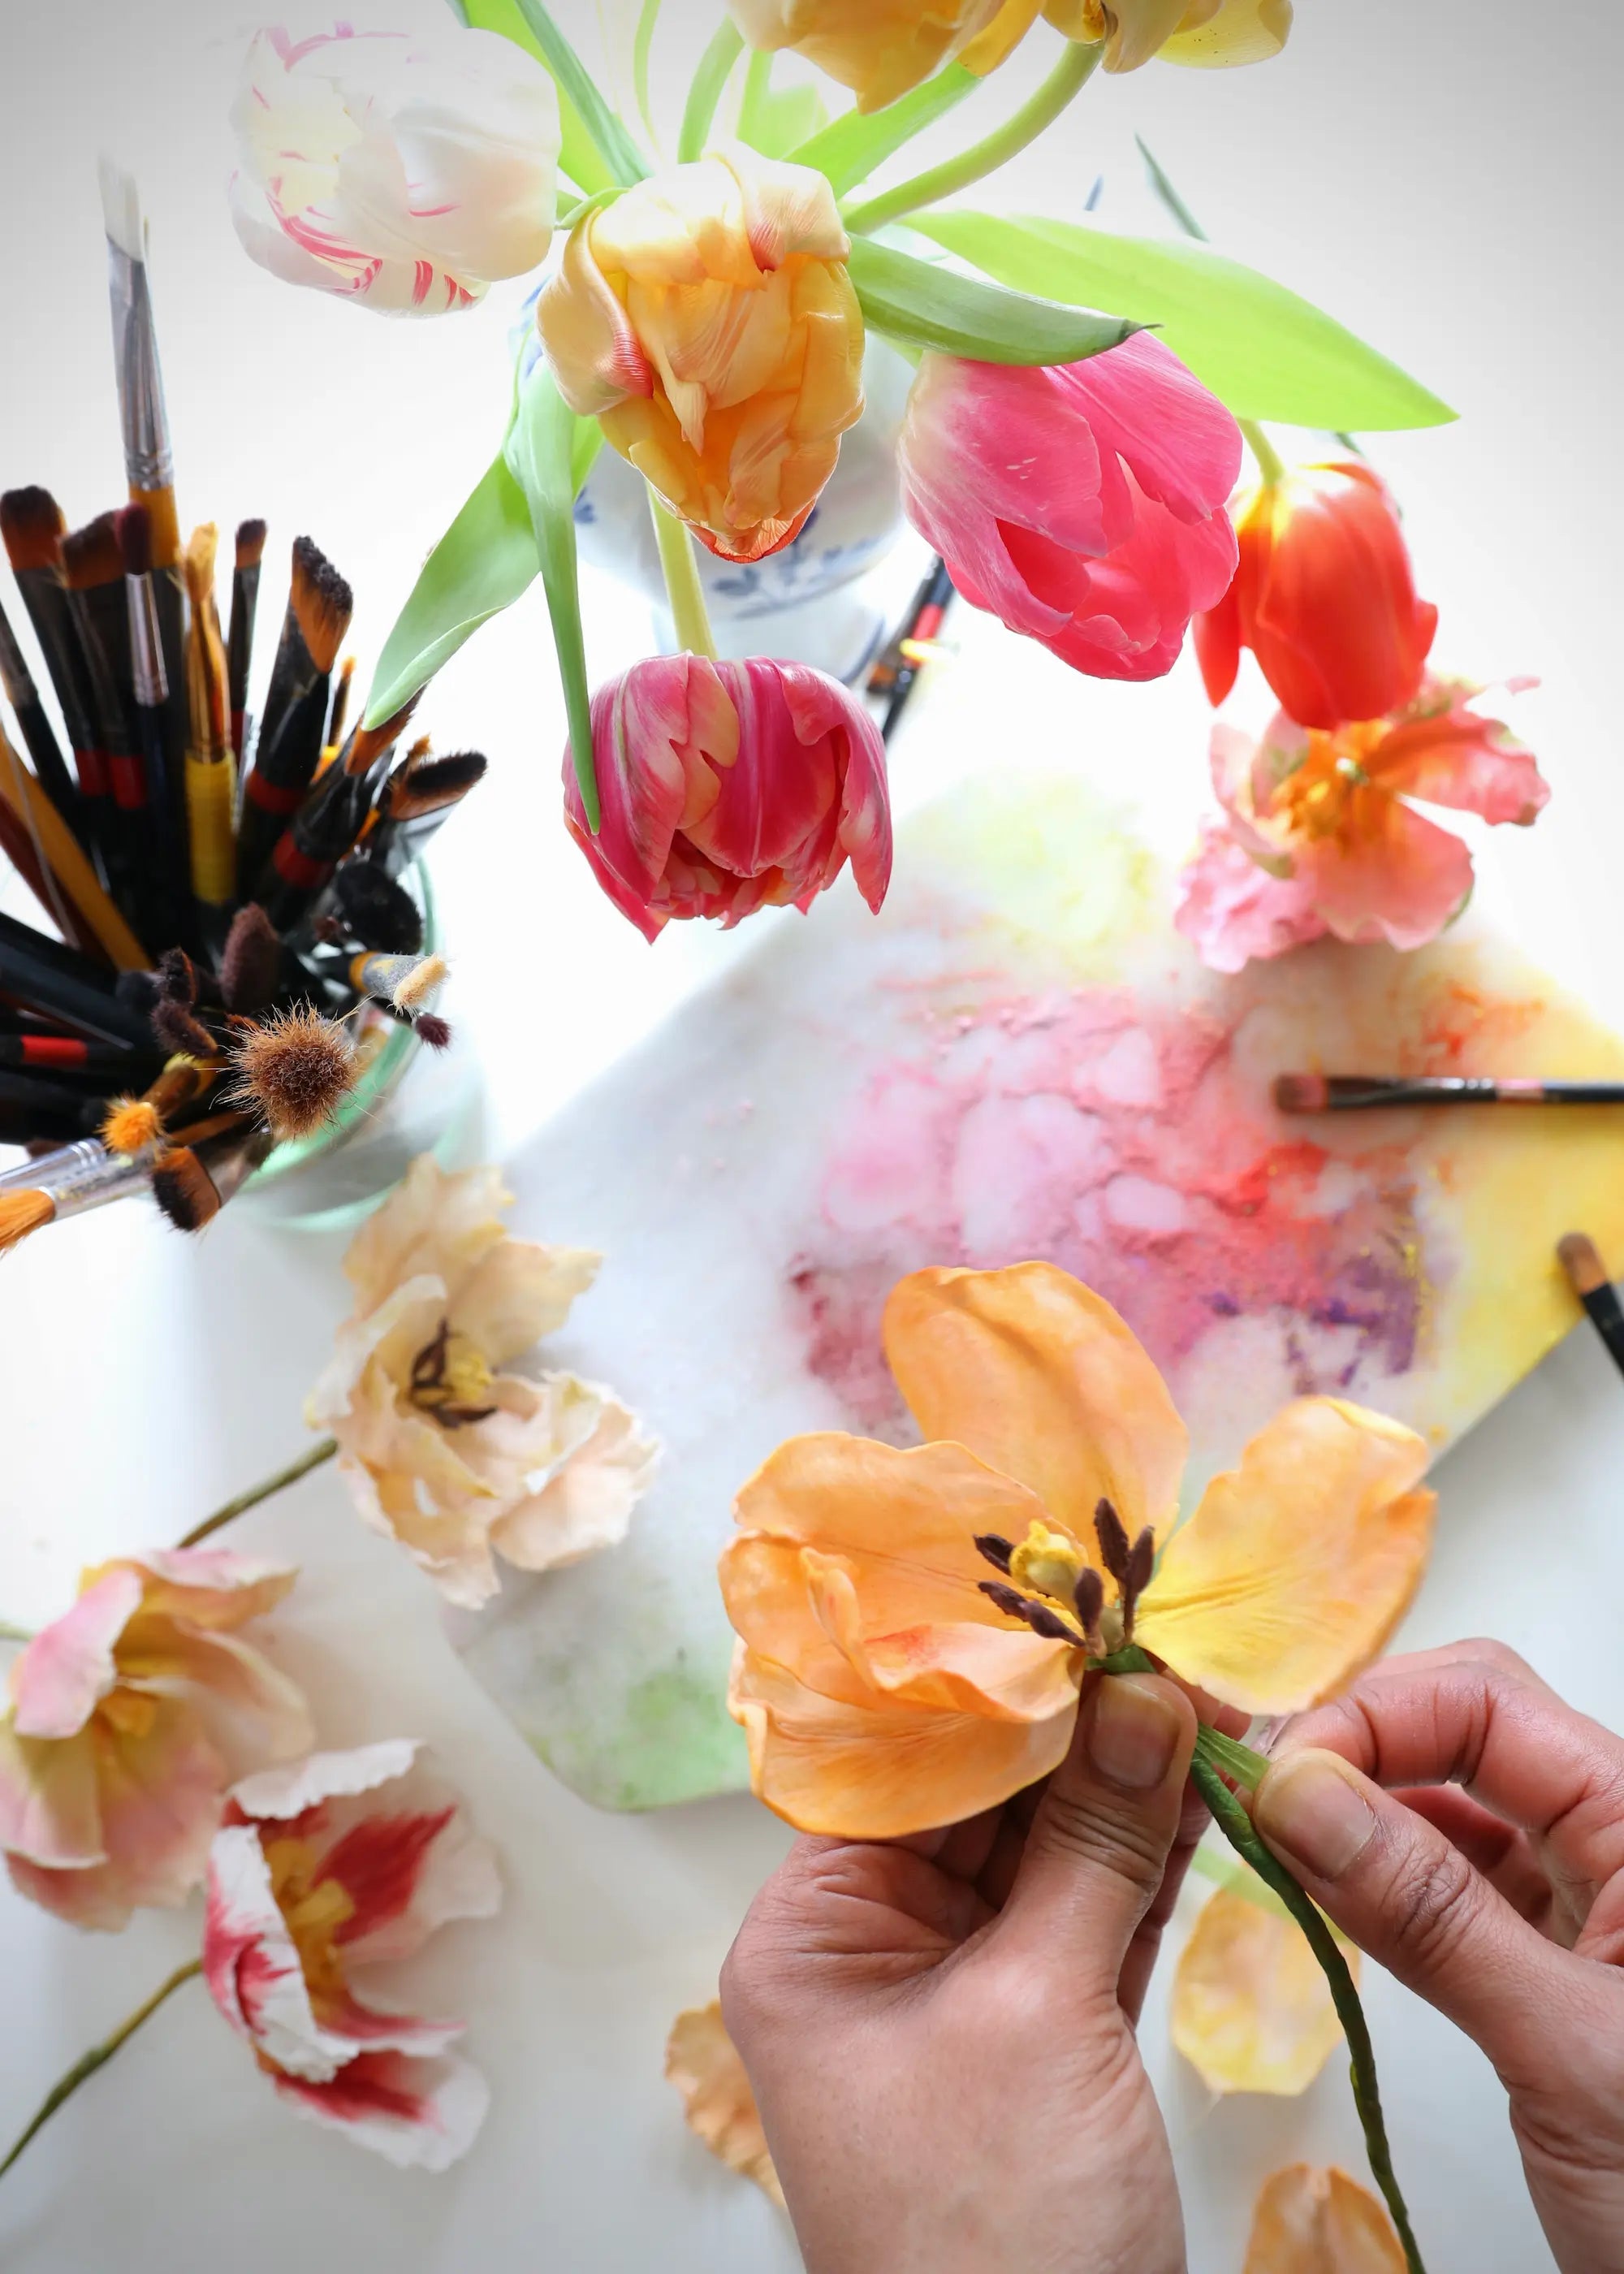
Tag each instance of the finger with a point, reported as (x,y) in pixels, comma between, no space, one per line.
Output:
(1498,1849)
(1516,1748)
(1099,1844)
(1395,1885)
(1143,1951)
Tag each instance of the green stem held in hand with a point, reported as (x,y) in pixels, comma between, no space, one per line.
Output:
(89,2063)
(706,92)
(323,1449)
(1068,77)
(1236,1827)
(682,584)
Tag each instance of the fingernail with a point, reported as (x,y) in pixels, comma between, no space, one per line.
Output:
(1132,1734)
(1309,1807)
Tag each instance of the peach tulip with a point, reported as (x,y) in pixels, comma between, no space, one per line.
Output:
(889,1683)
(129,1716)
(1251,2011)
(731,786)
(1324,599)
(1082,504)
(1318,835)
(321,1876)
(882,48)
(1310,2221)
(706,320)
(1198,31)
(703,2062)
(401,170)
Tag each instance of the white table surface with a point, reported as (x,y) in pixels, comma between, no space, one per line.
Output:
(1440,185)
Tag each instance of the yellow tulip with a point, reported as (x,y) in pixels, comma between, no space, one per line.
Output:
(1199,32)
(706,320)
(882,48)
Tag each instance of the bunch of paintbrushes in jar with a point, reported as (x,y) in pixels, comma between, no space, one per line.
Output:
(231,942)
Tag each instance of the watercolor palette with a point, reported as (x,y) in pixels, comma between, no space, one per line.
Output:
(1019,1057)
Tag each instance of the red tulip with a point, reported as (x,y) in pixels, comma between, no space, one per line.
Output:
(1324,597)
(730,786)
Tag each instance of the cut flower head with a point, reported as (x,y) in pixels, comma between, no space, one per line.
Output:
(888,1682)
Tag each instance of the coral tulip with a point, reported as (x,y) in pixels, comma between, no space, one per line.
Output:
(706,320)
(889,1683)
(882,48)
(1082,504)
(1324,597)
(1318,837)
(731,786)
(405,172)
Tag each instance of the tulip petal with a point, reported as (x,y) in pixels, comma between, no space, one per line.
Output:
(1217,635)
(881,1771)
(433,1226)
(421,2114)
(70,1666)
(1251,2009)
(1297,1565)
(1040,1379)
(1232,911)
(603,1463)
(1237,32)
(1457,758)
(229,1681)
(206,1587)
(1320,2222)
(1403,879)
(51,1814)
(1176,440)
(703,2062)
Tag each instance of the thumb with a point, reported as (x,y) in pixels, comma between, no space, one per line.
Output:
(1099,1843)
(1396,1886)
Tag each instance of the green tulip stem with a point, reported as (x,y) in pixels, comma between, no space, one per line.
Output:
(709,79)
(1068,77)
(682,584)
(1271,465)
(323,1449)
(1237,1826)
(89,2063)
(9,1633)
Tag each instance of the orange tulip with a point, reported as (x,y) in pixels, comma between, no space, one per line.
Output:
(1323,597)
(1204,32)
(888,1682)
(882,48)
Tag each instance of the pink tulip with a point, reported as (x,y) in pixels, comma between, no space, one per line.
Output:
(727,787)
(1080,504)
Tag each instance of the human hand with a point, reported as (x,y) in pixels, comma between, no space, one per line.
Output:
(939,2031)
(1489,1878)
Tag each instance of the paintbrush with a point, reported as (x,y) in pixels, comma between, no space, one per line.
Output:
(239,640)
(30,977)
(20,842)
(928,617)
(373,909)
(68,1182)
(417,799)
(47,1108)
(70,1054)
(210,775)
(61,851)
(340,712)
(149,464)
(32,528)
(328,824)
(320,605)
(1590,1284)
(1353,1093)
(168,877)
(50,767)
(115,802)
(191,1187)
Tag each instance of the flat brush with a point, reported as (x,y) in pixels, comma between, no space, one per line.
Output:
(1353,1093)
(191,1188)
(66,1183)
(328,824)
(289,748)
(210,774)
(68,863)
(31,528)
(28,977)
(167,882)
(417,800)
(239,640)
(93,571)
(46,1108)
(49,765)
(374,909)
(1588,1280)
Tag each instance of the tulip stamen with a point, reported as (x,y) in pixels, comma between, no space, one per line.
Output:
(995,1548)
(446,1381)
(1141,1563)
(1112,1534)
(1043,1618)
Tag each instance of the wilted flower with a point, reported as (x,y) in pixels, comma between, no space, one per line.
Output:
(129,1717)
(1324,599)
(730,786)
(882,48)
(406,172)
(706,320)
(703,2062)
(1320,2222)
(1318,835)
(459,1461)
(1082,503)
(888,1682)
(1251,2011)
(318,1877)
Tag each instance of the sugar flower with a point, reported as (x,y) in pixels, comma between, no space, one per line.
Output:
(731,786)
(403,171)
(1251,2011)
(703,2062)
(706,320)
(1325,597)
(1082,504)
(457,1460)
(1320,2222)
(129,1716)
(888,1682)
(1319,835)
(882,48)
(322,1877)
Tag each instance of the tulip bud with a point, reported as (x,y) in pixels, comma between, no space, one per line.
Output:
(1081,503)
(406,173)
(731,786)
(1324,597)
(706,320)
(882,48)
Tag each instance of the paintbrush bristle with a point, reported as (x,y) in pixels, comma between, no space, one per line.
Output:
(121,209)
(250,543)
(21,1213)
(184,1190)
(178,1030)
(131,1126)
(92,556)
(135,539)
(435,783)
(252,964)
(368,744)
(1301,1093)
(322,603)
(430,1027)
(202,550)
(296,1068)
(1580,1260)
(31,527)
(376,910)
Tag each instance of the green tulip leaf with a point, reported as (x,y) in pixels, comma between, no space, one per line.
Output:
(1262,349)
(849,150)
(933,306)
(597,151)
(544,448)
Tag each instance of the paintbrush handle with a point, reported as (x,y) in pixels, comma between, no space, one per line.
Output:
(85,1008)
(69,867)
(209,799)
(1607,1314)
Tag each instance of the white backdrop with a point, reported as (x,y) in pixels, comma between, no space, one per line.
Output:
(1444,179)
